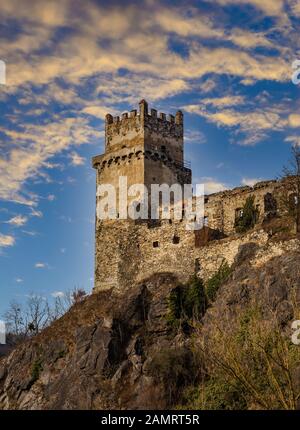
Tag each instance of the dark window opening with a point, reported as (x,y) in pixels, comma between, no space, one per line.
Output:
(176,240)
(163,148)
(197,265)
(155,244)
(270,203)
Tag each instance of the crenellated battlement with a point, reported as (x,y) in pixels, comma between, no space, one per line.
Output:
(137,125)
(143,115)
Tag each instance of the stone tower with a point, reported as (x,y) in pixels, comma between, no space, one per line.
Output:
(147,148)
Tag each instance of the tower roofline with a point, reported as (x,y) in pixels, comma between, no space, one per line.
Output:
(144,115)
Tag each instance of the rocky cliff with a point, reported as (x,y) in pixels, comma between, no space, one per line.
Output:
(119,351)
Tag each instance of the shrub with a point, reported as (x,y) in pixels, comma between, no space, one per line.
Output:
(36,370)
(176,368)
(254,358)
(217,393)
(195,298)
(187,302)
(248,218)
(213,284)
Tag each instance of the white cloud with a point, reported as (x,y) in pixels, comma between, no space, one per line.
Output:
(51,197)
(294,140)
(294,120)
(98,111)
(40,265)
(36,213)
(249,121)
(194,136)
(19,280)
(212,186)
(30,150)
(58,294)
(18,220)
(136,39)
(76,159)
(250,181)
(220,102)
(30,233)
(6,240)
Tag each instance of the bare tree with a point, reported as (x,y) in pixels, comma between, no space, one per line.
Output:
(78,294)
(14,319)
(38,314)
(291,196)
(30,319)
(64,302)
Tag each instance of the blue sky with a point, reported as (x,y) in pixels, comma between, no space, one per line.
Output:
(226,64)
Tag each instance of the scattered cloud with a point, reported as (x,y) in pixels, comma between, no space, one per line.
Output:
(30,150)
(71,180)
(30,233)
(249,121)
(36,213)
(65,218)
(58,294)
(19,280)
(294,140)
(98,111)
(136,41)
(221,102)
(212,186)
(294,120)
(76,159)
(194,136)
(250,181)
(40,265)
(18,220)
(51,197)
(6,240)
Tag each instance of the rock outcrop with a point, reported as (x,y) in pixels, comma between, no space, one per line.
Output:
(95,356)
(99,355)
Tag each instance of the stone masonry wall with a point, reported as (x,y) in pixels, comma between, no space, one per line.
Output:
(221,209)
(134,251)
(147,148)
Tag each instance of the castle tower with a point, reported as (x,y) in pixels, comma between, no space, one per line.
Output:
(147,148)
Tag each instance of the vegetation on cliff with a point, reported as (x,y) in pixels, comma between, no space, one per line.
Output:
(220,344)
(248,216)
